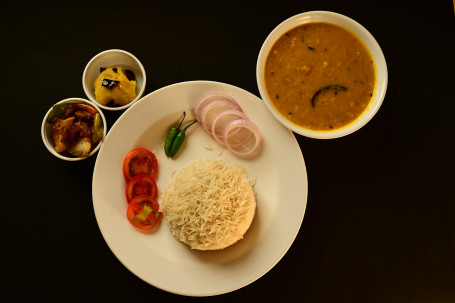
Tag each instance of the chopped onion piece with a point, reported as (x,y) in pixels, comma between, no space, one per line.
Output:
(245,143)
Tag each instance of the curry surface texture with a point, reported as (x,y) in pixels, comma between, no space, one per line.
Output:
(320,76)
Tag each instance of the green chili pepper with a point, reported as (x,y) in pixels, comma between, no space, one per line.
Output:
(97,129)
(179,140)
(57,111)
(171,136)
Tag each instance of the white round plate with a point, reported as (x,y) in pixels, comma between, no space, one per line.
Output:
(156,257)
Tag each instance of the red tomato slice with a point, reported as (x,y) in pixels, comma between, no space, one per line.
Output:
(140,161)
(143,212)
(141,185)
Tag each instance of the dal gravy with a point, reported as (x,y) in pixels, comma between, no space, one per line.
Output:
(320,76)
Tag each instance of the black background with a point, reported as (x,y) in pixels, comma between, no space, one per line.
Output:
(379,224)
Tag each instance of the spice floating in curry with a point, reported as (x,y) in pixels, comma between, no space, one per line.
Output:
(320,76)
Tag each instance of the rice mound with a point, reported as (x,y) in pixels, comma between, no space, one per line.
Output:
(209,204)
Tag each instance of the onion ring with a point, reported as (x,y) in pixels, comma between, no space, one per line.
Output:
(245,150)
(216,106)
(217,126)
(210,97)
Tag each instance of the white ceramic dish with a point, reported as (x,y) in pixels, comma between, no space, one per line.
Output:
(113,57)
(360,32)
(157,257)
(46,130)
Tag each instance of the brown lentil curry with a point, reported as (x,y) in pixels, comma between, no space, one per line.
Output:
(320,76)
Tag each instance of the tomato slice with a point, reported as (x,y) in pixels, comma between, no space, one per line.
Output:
(141,185)
(143,212)
(140,161)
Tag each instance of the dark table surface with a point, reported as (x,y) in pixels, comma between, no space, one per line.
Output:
(379,223)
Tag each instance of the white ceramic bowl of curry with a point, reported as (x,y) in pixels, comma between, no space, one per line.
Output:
(66,110)
(322,74)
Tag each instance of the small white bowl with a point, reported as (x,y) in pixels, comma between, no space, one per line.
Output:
(362,34)
(46,130)
(108,58)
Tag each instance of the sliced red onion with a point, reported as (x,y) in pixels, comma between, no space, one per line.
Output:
(244,146)
(221,120)
(210,97)
(212,109)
